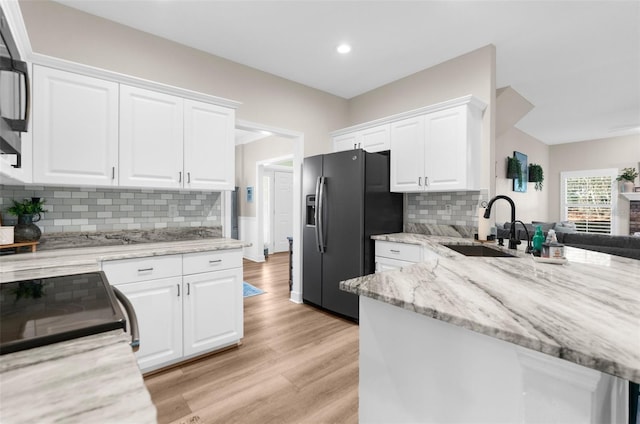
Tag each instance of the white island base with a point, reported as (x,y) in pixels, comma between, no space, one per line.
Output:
(416,369)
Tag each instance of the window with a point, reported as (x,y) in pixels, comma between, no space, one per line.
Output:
(588,199)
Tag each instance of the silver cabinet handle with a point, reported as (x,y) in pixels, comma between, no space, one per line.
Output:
(394,251)
(178,289)
(113,172)
(426,181)
(215,261)
(188,177)
(145,269)
(188,289)
(420,181)
(179,176)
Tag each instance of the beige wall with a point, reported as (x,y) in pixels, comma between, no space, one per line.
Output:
(616,152)
(532,205)
(66,33)
(472,73)
(247,156)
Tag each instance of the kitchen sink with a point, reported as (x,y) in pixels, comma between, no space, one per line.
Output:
(478,250)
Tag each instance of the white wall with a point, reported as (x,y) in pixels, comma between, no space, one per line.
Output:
(616,152)
(247,156)
(532,205)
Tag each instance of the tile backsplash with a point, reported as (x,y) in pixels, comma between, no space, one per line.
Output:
(458,208)
(86,209)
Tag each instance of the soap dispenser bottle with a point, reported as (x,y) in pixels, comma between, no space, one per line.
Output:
(538,239)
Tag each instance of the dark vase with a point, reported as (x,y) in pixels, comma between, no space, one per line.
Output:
(26,230)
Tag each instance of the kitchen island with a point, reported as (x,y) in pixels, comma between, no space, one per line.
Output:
(89,379)
(480,339)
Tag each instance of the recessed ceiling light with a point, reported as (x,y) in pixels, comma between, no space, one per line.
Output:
(343,48)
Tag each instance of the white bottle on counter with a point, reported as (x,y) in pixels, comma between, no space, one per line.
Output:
(551,236)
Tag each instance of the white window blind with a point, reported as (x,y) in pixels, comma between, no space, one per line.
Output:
(587,199)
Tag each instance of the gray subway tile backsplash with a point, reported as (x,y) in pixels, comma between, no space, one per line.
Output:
(446,208)
(73,209)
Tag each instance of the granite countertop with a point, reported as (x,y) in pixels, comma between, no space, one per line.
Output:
(585,311)
(51,263)
(67,382)
(89,379)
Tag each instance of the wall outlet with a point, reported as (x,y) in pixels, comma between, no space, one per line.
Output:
(447,209)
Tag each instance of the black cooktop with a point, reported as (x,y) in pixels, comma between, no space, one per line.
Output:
(42,311)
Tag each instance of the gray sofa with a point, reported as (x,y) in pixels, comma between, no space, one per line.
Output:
(625,246)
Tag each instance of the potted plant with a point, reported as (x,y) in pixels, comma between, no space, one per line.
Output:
(514,168)
(536,175)
(28,211)
(628,176)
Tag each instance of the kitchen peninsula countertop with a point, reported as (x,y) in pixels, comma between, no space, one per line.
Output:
(52,263)
(585,311)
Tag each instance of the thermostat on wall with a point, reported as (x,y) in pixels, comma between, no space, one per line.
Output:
(249,194)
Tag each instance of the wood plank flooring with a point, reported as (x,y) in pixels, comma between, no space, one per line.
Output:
(296,364)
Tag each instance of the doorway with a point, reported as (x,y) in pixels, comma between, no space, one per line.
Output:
(255,234)
(277,189)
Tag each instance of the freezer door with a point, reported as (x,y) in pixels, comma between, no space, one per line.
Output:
(311,256)
(343,228)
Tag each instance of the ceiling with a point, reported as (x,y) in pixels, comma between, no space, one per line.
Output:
(577,62)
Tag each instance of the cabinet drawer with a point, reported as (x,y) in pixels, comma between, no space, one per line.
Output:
(401,251)
(142,269)
(194,263)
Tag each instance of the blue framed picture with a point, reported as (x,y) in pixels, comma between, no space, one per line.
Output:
(520,184)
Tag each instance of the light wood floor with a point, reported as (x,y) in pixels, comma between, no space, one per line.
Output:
(296,365)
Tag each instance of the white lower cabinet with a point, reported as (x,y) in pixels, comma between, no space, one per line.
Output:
(213,305)
(196,309)
(393,255)
(159,310)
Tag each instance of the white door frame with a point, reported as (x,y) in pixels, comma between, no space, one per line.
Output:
(266,169)
(298,157)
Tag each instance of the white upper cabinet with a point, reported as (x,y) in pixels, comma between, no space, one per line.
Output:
(407,155)
(151,139)
(374,139)
(345,142)
(75,129)
(437,151)
(209,146)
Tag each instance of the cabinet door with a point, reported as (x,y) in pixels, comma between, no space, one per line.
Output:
(345,142)
(209,146)
(75,129)
(213,310)
(376,139)
(407,155)
(151,139)
(158,306)
(446,150)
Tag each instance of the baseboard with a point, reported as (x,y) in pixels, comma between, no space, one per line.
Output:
(295,297)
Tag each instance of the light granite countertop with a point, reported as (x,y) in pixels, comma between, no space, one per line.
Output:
(68,382)
(90,379)
(52,263)
(586,311)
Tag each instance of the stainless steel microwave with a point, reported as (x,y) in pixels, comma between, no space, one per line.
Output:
(14,95)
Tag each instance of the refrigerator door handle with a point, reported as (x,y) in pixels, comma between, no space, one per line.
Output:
(320,221)
(317,214)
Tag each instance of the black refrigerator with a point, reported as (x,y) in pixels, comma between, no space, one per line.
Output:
(346,200)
